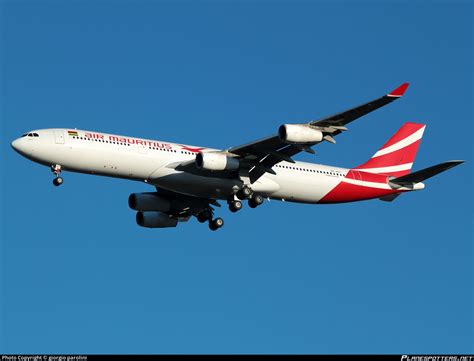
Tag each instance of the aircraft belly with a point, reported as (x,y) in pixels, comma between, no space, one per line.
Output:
(200,186)
(194,185)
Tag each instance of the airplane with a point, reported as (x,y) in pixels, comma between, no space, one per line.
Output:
(189,180)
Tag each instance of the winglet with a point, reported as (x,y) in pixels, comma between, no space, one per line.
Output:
(399,91)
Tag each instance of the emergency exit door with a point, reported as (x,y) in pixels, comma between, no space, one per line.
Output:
(59,136)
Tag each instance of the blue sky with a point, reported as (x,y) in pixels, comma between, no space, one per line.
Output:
(77,274)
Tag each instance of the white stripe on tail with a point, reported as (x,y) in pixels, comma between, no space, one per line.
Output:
(401,144)
(396,156)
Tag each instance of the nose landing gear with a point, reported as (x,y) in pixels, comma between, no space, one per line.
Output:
(56,169)
(58,181)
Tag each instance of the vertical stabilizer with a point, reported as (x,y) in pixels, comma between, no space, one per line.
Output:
(397,155)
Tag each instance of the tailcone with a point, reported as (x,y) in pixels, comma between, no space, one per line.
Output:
(419,186)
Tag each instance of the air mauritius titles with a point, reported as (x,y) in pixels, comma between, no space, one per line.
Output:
(114,138)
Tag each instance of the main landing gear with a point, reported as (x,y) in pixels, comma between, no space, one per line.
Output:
(206,216)
(246,192)
(235,205)
(216,223)
(56,169)
(255,201)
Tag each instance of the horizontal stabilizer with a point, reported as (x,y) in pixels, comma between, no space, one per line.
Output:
(426,173)
(390,197)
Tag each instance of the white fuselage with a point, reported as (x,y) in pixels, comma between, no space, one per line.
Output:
(154,162)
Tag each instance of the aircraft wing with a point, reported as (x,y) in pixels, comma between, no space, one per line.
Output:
(261,155)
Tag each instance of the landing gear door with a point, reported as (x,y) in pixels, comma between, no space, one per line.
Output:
(59,136)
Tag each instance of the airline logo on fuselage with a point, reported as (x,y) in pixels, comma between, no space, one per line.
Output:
(192,149)
(119,139)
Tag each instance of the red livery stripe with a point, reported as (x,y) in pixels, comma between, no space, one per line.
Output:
(346,192)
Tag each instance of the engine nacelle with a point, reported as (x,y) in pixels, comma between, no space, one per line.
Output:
(148,202)
(216,161)
(155,220)
(299,134)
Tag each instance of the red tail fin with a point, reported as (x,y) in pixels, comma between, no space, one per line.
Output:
(396,156)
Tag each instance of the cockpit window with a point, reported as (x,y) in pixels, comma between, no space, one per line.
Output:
(24,135)
(35,135)
(31,135)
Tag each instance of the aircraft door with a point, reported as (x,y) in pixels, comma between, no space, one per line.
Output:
(59,136)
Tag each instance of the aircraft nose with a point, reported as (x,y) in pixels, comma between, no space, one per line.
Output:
(20,146)
(16,144)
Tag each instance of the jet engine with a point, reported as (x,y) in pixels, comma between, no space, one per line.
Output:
(155,220)
(299,134)
(216,161)
(148,202)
